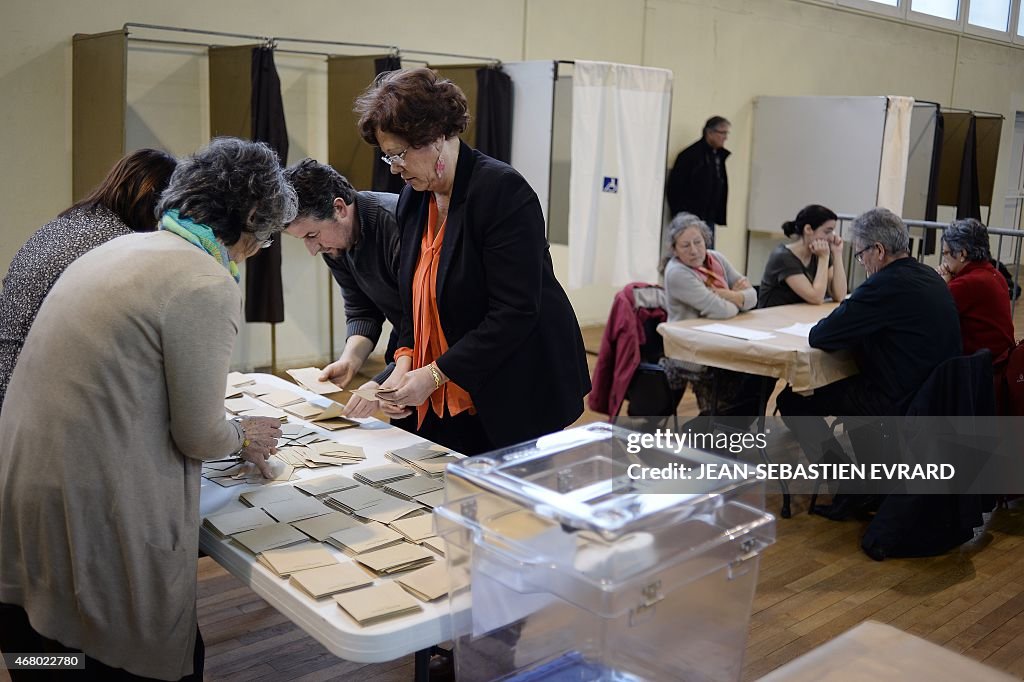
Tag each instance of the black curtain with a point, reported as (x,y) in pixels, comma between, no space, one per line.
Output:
(494,113)
(264,294)
(968,203)
(383,180)
(931,209)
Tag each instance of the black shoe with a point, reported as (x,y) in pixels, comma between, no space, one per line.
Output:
(876,552)
(441,669)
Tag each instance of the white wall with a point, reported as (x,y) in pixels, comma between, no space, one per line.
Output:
(723,53)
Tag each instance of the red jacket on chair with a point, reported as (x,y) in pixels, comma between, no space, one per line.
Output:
(620,350)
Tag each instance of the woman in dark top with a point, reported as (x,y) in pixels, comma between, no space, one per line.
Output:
(490,352)
(793,275)
(123,203)
(980,292)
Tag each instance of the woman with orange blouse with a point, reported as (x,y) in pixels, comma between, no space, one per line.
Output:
(490,352)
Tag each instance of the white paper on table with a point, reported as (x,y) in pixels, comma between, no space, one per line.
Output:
(735,332)
(801,329)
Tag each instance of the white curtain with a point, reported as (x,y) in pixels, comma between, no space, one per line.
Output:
(620,117)
(892,176)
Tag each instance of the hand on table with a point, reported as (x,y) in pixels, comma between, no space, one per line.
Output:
(260,436)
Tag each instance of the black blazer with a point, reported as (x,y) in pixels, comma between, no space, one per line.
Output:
(693,184)
(513,340)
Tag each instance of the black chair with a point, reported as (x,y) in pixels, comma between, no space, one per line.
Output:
(650,395)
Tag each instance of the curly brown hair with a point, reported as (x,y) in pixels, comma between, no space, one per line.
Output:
(415,104)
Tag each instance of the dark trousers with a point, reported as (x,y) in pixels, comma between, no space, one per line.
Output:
(463,433)
(17,636)
(857,404)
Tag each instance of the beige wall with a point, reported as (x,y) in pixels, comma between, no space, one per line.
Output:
(723,53)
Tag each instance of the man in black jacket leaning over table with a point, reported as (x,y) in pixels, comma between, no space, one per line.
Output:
(357,235)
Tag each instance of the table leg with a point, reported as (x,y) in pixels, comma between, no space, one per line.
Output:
(767,382)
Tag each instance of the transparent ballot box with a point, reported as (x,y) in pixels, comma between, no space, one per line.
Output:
(565,565)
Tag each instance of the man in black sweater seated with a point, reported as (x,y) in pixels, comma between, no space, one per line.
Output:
(900,324)
(357,235)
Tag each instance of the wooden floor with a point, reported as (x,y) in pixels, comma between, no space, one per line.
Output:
(814,584)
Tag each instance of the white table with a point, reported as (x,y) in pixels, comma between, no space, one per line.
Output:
(324,620)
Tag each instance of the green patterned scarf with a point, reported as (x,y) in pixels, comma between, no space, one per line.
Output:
(201,236)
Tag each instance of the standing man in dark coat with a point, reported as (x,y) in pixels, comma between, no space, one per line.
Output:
(698,182)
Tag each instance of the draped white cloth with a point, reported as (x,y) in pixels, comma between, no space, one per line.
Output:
(620,119)
(892,175)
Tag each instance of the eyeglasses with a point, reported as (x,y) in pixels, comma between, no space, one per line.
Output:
(392,159)
(860,254)
(721,132)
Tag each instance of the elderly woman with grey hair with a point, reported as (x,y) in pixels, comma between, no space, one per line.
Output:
(700,282)
(980,292)
(116,399)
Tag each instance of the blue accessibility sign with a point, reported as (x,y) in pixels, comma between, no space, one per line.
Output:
(610,185)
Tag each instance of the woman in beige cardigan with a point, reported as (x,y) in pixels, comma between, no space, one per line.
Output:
(116,399)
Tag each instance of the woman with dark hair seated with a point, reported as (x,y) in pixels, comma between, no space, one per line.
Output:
(116,400)
(123,203)
(810,266)
(980,292)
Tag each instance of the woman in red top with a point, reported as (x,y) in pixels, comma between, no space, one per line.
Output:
(981,294)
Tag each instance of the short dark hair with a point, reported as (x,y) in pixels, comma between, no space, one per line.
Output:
(714,122)
(969,237)
(317,185)
(132,188)
(415,104)
(814,215)
(221,184)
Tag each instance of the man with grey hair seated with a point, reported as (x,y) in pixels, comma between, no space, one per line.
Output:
(900,324)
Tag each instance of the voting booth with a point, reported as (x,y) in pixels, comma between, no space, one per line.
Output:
(564,564)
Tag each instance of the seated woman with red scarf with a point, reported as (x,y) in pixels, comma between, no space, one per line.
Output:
(702,283)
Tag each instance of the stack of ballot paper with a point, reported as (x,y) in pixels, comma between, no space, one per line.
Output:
(434,544)
(426,584)
(287,511)
(281,398)
(417,452)
(330,452)
(269,537)
(376,604)
(241,404)
(270,494)
(325,485)
(265,411)
(428,458)
(230,523)
(236,381)
(389,510)
(352,500)
(432,499)
(409,488)
(395,559)
(326,417)
(309,379)
(287,560)
(415,528)
(435,466)
(320,527)
(363,538)
(383,475)
(329,580)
